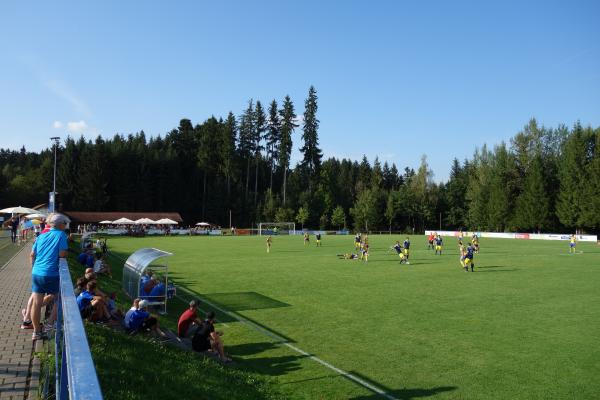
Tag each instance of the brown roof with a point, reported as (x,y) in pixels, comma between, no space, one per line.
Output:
(94,217)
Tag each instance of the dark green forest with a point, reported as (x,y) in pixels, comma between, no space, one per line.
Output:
(544,179)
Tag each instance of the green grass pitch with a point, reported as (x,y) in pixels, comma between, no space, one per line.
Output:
(525,325)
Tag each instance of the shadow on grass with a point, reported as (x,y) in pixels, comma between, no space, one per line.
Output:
(499,270)
(244,301)
(403,394)
(231,315)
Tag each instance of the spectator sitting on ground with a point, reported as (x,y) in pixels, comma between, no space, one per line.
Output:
(111,304)
(188,321)
(80,286)
(92,306)
(89,274)
(140,320)
(101,266)
(207,339)
(134,306)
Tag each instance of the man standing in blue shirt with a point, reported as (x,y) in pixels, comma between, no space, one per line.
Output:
(46,251)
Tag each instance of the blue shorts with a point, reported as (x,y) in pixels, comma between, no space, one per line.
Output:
(572,244)
(45,284)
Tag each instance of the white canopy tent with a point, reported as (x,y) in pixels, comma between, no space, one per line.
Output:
(166,221)
(202,224)
(145,221)
(105,222)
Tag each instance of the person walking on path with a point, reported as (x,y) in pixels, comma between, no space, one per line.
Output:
(46,251)
(14,226)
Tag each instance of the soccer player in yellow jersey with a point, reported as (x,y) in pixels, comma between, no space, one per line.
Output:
(462,251)
(306,238)
(572,244)
(269,243)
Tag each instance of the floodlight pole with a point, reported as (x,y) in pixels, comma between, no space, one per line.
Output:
(55,140)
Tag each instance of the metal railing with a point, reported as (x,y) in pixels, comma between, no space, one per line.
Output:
(76,377)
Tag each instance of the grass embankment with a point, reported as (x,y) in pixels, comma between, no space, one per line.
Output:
(135,367)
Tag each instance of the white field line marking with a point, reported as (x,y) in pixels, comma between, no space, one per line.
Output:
(13,257)
(283,341)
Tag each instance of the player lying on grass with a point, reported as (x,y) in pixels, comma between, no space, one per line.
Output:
(348,256)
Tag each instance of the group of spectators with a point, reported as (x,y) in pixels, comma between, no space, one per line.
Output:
(202,333)
(97,306)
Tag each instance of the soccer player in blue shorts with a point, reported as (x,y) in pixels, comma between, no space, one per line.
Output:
(572,244)
(438,245)
(468,261)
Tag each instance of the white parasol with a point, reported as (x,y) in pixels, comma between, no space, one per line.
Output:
(18,210)
(123,221)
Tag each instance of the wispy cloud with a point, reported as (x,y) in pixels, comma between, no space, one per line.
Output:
(63,91)
(76,127)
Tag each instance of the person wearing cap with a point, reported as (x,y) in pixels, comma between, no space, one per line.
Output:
(188,321)
(207,339)
(46,251)
(140,320)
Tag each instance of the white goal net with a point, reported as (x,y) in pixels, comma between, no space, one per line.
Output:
(276,228)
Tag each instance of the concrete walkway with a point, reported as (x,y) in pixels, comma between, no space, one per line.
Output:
(19,371)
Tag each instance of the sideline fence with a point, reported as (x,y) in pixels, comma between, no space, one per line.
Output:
(76,377)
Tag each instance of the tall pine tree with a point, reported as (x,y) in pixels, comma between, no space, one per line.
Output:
(311,163)
(288,124)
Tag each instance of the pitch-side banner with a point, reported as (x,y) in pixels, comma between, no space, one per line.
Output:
(526,236)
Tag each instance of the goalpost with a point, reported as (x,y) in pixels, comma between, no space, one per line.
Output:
(276,228)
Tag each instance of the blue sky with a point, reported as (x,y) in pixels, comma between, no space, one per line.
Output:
(395,79)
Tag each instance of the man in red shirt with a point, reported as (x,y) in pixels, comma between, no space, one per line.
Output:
(188,321)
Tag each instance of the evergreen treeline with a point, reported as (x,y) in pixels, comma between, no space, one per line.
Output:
(543,180)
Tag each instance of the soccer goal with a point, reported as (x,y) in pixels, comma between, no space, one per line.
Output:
(276,228)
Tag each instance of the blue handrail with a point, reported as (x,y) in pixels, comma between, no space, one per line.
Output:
(76,377)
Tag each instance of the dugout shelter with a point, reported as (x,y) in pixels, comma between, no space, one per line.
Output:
(137,266)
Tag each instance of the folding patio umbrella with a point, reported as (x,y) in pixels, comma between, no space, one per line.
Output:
(18,210)
(35,216)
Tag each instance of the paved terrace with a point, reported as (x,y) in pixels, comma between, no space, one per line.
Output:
(19,371)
